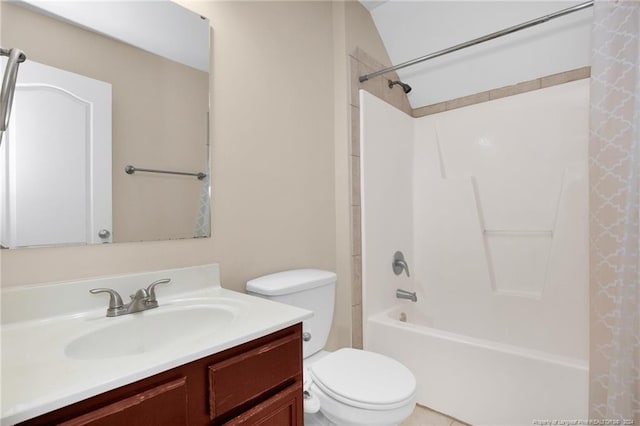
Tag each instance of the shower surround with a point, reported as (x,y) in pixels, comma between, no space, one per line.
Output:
(489,205)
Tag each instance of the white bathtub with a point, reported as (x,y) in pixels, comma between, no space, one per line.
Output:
(478,381)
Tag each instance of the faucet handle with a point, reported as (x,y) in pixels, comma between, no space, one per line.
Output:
(115,301)
(152,288)
(399,264)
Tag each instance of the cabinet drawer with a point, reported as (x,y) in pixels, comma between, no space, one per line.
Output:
(165,404)
(254,376)
(283,409)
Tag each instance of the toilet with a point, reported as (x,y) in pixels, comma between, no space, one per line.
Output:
(348,387)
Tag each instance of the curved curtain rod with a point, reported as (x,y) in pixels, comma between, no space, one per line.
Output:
(479,40)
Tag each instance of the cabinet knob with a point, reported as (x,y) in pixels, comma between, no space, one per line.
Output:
(306,336)
(104,233)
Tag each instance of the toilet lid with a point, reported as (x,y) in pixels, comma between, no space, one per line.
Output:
(364,379)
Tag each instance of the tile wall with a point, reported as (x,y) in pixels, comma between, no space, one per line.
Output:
(361,63)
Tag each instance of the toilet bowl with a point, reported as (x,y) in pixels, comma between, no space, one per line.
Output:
(356,387)
(348,387)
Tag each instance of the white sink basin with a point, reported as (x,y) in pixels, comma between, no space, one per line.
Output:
(150,330)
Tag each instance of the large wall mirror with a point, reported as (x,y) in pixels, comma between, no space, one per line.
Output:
(106,85)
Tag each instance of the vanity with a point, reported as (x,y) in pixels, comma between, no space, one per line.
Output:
(206,355)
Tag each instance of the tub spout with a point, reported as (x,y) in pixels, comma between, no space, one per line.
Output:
(404,294)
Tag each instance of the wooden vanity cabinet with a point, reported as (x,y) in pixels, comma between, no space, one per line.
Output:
(259,382)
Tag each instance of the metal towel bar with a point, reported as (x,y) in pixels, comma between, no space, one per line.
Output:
(522,232)
(132,169)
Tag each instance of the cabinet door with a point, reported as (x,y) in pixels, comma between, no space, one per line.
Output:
(283,409)
(163,405)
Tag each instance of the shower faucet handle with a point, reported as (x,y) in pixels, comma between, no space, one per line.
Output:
(399,264)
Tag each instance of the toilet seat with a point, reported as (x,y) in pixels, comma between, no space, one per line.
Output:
(364,379)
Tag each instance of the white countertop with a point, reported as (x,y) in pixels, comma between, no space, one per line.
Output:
(38,377)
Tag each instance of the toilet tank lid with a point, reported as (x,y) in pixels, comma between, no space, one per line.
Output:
(290,281)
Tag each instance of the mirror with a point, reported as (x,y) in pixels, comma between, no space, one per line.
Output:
(106,85)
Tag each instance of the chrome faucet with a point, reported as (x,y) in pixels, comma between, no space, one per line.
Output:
(399,264)
(404,294)
(141,301)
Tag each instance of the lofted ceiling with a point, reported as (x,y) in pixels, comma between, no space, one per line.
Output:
(411,29)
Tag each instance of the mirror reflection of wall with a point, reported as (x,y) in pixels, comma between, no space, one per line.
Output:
(159,120)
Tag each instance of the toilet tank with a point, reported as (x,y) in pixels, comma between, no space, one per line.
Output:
(311,289)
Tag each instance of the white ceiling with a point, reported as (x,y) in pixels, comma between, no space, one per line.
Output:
(372,4)
(410,29)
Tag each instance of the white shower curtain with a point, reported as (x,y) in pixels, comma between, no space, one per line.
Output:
(614,168)
(203,218)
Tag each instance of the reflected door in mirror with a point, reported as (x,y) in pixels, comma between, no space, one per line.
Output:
(156,57)
(56,185)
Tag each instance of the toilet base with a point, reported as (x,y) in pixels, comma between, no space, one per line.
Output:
(318,419)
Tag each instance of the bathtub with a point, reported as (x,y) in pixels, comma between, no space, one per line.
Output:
(480,382)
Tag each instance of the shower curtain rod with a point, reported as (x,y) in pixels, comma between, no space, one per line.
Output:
(479,40)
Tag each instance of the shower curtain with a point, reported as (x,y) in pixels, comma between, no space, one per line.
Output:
(203,219)
(614,168)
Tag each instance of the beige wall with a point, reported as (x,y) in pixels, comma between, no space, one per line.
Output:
(341,333)
(280,155)
(362,33)
(159,120)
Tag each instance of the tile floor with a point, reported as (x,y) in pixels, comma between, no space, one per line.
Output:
(422,416)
